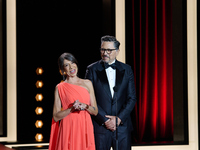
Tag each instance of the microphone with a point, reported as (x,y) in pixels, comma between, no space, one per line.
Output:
(116,88)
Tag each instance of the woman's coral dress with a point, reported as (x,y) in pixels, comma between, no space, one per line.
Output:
(75,131)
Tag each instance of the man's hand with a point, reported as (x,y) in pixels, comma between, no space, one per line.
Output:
(111,122)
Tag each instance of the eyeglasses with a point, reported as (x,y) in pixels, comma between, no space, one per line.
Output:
(108,51)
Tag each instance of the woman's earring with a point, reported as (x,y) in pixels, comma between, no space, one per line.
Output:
(63,74)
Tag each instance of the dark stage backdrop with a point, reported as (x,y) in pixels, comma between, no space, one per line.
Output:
(46,29)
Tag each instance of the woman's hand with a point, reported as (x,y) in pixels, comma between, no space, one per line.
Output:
(79,106)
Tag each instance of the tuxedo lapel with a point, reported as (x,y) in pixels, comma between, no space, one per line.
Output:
(119,78)
(101,73)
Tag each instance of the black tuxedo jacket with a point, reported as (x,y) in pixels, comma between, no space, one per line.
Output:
(125,95)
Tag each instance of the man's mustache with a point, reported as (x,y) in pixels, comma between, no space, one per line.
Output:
(105,56)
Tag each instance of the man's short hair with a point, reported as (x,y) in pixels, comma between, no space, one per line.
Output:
(109,38)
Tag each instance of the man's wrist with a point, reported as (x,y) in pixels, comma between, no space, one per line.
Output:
(119,121)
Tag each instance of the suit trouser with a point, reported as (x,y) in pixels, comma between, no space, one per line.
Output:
(104,141)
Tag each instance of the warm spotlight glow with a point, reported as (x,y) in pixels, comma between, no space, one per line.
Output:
(39,146)
(39,124)
(39,110)
(39,137)
(39,97)
(39,71)
(39,84)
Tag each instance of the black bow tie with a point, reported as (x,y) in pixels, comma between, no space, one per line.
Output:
(106,65)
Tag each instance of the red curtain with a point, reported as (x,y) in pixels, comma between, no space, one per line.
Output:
(152,48)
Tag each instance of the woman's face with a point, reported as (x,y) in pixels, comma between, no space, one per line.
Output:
(70,68)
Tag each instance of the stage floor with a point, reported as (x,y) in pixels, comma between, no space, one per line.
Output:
(23,146)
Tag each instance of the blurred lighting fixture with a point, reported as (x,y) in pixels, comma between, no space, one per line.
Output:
(39,124)
(39,137)
(38,110)
(39,71)
(39,84)
(39,97)
(39,146)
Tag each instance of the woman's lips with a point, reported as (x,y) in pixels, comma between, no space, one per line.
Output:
(73,71)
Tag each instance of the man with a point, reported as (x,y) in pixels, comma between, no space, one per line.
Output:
(104,79)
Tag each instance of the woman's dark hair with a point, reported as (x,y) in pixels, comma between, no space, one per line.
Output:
(109,38)
(61,59)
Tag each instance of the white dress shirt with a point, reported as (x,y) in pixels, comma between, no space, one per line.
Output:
(111,75)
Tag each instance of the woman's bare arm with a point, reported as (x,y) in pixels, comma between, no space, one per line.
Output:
(59,114)
(93,109)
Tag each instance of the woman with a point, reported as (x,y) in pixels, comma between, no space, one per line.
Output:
(72,127)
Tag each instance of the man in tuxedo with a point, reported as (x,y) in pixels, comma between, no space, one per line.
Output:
(113,83)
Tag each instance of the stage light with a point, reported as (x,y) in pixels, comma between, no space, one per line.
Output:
(39,146)
(39,84)
(39,137)
(39,71)
(39,124)
(39,97)
(39,110)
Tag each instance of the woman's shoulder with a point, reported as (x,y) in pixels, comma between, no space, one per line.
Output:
(60,84)
(87,81)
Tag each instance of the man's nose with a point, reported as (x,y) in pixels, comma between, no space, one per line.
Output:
(105,52)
